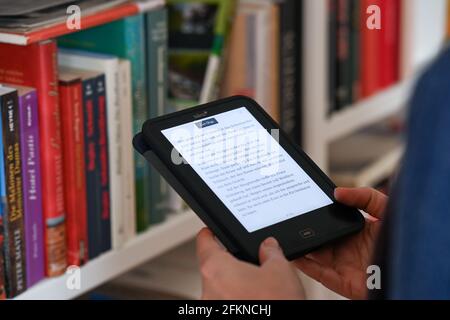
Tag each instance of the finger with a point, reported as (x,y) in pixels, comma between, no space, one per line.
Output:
(270,250)
(369,200)
(207,245)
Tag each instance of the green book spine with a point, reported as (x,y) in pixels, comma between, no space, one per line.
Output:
(156,22)
(126,39)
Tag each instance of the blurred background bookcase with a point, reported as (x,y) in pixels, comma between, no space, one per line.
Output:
(323,135)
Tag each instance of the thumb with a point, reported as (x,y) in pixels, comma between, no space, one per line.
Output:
(269,250)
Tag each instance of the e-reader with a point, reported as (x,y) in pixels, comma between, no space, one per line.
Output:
(245,179)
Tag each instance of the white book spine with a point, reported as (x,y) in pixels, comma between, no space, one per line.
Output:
(110,67)
(128,216)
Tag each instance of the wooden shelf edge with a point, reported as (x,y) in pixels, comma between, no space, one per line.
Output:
(178,229)
(369,111)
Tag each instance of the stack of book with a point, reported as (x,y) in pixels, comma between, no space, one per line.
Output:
(364,49)
(71,186)
(264,59)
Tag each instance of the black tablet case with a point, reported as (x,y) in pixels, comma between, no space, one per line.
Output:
(143,148)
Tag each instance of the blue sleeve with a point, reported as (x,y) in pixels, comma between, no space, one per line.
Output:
(419,255)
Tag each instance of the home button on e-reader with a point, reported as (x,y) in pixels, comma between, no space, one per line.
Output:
(307,233)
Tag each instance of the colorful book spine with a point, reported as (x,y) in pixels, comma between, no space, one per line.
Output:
(102,152)
(14,218)
(370,46)
(389,54)
(74,171)
(156,22)
(3,211)
(35,66)
(93,188)
(32,194)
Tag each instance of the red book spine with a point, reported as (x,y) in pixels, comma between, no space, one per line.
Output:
(36,66)
(74,171)
(370,44)
(389,49)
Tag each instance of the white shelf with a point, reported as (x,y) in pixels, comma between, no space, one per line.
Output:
(377,171)
(178,229)
(369,111)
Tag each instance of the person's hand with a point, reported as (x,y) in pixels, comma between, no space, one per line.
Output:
(342,268)
(226,278)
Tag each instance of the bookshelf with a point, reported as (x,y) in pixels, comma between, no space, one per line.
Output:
(319,130)
(178,229)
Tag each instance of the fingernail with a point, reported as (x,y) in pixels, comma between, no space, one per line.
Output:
(271,243)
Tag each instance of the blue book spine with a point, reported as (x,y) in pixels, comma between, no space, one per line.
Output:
(93,184)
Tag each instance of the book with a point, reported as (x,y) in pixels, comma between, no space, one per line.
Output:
(369,50)
(197,33)
(47,17)
(102,151)
(91,19)
(2,231)
(128,217)
(389,54)
(109,66)
(31,184)
(290,73)
(156,24)
(332,54)
(71,93)
(2,259)
(35,66)
(343,63)
(355,17)
(125,39)
(14,245)
(254,47)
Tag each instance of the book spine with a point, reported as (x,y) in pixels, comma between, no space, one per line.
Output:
(126,228)
(332,54)
(32,195)
(52,161)
(289,63)
(102,152)
(389,49)
(370,43)
(14,219)
(74,172)
(355,58)
(135,29)
(343,79)
(3,211)
(156,22)
(93,188)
